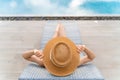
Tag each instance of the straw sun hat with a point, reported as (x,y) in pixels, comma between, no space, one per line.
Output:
(60,56)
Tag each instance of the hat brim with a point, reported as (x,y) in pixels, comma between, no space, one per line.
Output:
(61,71)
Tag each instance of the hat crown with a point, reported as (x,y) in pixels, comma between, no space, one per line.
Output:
(60,54)
(55,65)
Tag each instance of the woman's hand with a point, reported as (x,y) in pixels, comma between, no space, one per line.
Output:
(80,48)
(38,53)
(89,55)
(38,57)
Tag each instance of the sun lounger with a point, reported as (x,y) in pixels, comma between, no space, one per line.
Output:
(84,72)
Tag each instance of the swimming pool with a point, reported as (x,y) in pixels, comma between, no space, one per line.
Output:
(60,7)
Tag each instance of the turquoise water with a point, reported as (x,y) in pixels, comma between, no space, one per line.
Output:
(63,3)
(101,7)
(59,7)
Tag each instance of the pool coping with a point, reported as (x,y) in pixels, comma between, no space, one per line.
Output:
(37,18)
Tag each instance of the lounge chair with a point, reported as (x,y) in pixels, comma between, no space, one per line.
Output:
(84,72)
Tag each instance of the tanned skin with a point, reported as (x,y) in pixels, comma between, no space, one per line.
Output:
(37,55)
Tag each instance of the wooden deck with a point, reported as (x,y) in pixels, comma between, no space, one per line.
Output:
(102,37)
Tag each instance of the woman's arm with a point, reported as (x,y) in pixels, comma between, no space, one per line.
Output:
(89,54)
(27,55)
(34,56)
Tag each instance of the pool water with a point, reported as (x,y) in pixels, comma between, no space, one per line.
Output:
(59,7)
(102,7)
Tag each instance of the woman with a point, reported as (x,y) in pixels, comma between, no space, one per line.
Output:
(37,55)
